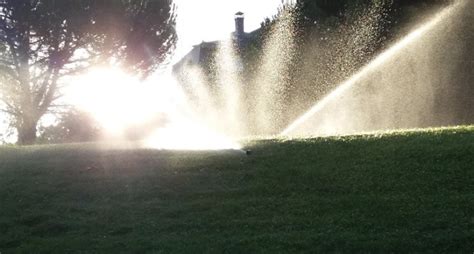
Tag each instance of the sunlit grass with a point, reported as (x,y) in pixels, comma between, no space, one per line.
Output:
(382,133)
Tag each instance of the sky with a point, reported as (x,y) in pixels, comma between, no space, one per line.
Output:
(209,20)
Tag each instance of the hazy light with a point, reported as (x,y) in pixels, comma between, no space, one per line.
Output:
(118,101)
(185,134)
(115,99)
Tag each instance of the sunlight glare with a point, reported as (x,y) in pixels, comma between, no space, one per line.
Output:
(185,134)
(118,101)
(115,99)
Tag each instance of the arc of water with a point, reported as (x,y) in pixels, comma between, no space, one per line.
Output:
(377,62)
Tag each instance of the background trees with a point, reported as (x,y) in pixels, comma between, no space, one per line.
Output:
(72,126)
(42,41)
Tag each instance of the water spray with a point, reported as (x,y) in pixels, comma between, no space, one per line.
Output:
(377,62)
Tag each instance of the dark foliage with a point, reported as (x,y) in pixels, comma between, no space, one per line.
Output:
(72,126)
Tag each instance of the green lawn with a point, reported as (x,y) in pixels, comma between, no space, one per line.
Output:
(399,192)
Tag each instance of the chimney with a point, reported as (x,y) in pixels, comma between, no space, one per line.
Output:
(239,23)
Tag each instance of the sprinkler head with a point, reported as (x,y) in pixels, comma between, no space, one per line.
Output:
(248,152)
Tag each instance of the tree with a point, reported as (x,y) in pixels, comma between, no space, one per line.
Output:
(43,41)
(72,126)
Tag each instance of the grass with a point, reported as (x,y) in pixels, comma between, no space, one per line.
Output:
(383,193)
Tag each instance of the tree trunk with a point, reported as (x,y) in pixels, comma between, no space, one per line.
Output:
(27,132)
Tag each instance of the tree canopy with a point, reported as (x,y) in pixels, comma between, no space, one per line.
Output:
(42,41)
(72,126)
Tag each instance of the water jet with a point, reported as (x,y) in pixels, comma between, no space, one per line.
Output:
(398,88)
(337,120)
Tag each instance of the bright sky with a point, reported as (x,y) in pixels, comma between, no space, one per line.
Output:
(209,20)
